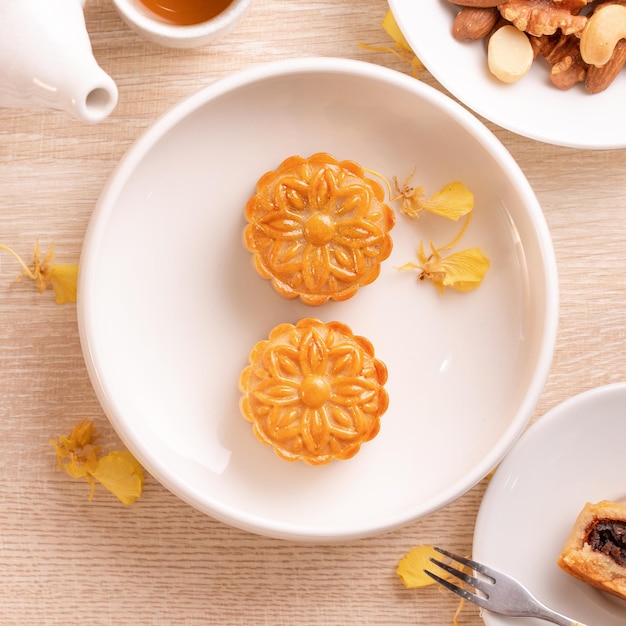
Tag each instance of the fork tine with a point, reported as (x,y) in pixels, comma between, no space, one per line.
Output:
(463,593)
(481,585)
(479,567)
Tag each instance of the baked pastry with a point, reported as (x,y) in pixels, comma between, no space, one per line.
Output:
(595,551)
(318,228)
(314,391)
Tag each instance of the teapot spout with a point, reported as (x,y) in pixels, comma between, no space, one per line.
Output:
(87,92)
(46,60)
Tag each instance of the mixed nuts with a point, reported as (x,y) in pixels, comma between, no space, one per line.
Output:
(583,41)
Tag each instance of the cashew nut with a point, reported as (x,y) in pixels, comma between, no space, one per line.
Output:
(509,54)
(604,28)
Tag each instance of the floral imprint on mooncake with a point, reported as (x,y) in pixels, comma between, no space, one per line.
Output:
(314,391)
(318,228)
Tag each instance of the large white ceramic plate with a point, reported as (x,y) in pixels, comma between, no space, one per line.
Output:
(532,107)
(169,305)
(572,455)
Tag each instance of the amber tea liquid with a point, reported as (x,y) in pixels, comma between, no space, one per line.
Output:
(186,12)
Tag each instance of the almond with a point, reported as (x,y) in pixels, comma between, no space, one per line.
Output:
(599,78)
(473,23)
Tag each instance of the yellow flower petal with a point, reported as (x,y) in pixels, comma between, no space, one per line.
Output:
(393,30)
(411,567)
(452,201)
(464,270)
(121,474)
(64,280)
(411,571)
(403,50)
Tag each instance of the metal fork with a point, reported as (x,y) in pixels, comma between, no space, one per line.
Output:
(500,593)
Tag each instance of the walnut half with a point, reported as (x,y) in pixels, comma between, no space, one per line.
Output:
(545,17)
(562,52)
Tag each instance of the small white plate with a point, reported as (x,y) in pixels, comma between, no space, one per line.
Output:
(169,304)
(532,107)
(572,455)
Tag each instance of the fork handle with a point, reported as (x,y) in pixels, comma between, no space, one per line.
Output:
(543,612)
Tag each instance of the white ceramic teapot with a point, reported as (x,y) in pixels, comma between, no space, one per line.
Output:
(46,60)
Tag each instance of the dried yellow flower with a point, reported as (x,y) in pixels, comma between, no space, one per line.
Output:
(79,454)
(462,271)
(121,474)
(452,201)
(411,567)
(62,278)
(411,571)
(402,50)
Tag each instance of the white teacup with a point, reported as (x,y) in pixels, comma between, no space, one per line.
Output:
(158,30)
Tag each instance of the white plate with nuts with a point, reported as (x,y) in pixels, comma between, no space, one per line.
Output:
(550,102)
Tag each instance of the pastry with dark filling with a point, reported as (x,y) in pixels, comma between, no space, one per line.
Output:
(596,549)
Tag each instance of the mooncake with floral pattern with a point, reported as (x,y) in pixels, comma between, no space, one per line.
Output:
(318,228)
(314,391)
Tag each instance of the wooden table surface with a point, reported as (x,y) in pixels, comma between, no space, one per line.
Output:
(65,560)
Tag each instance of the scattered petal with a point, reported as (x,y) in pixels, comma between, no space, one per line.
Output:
(402,50)
(411,567)
(463,271)
(452,201)
(121,474)
(411,571)
(393,30)
(61,278)
(79,455)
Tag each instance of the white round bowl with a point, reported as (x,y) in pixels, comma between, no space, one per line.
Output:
(169,304)
(157,30)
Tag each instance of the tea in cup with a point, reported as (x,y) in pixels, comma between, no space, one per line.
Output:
(182,23)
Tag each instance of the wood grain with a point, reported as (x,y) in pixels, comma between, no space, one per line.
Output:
(65,560)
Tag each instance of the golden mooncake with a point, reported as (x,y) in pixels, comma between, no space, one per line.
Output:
(595,551)
(314,391)
(318,228)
